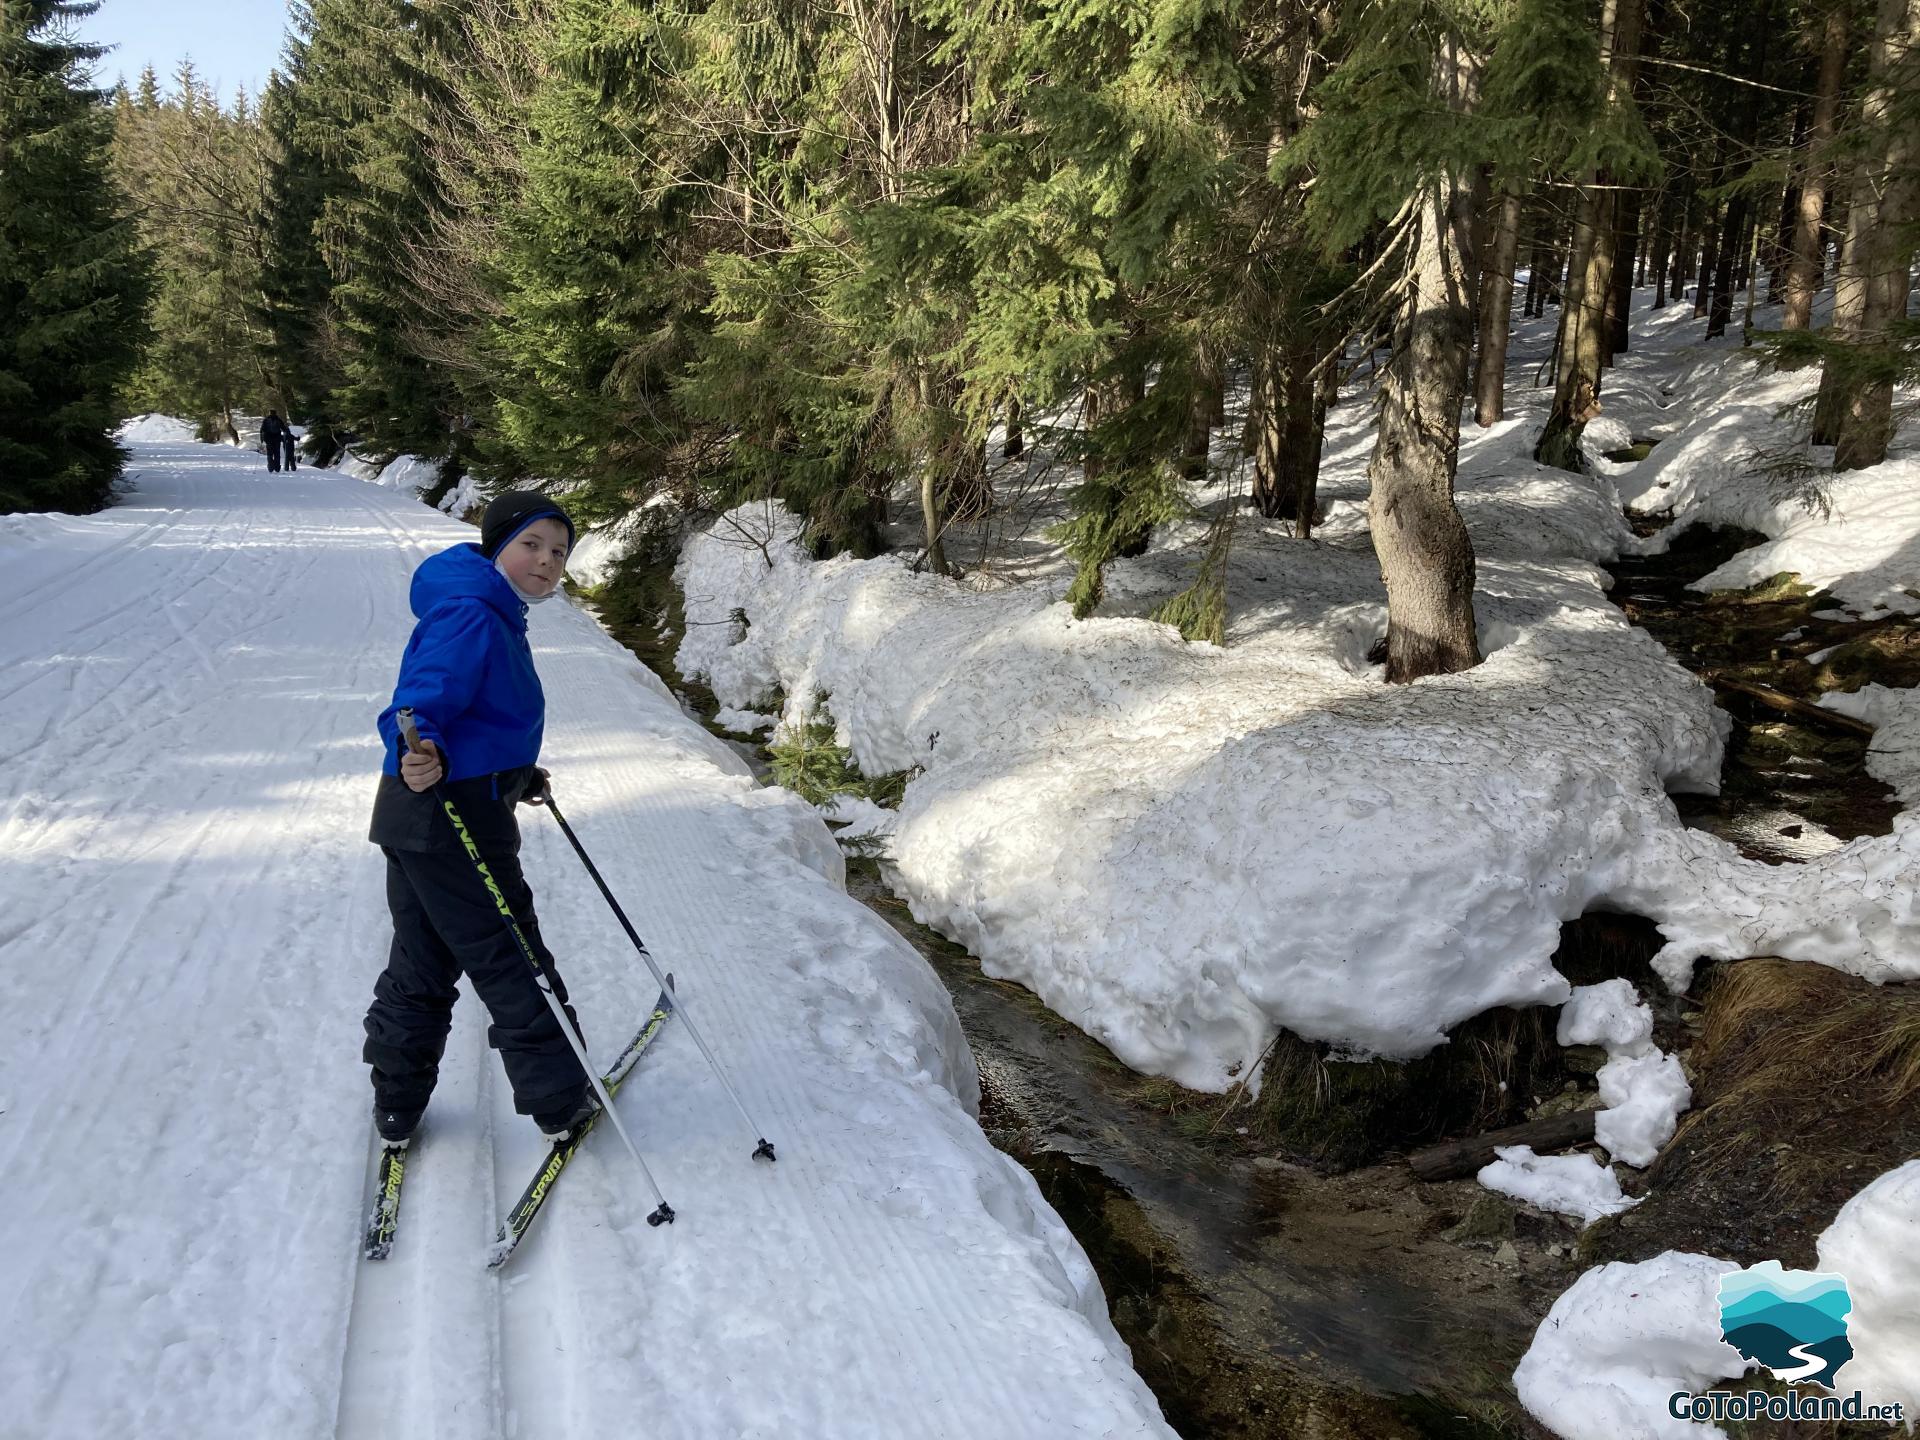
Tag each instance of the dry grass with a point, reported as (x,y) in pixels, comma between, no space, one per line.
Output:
(1788,1050)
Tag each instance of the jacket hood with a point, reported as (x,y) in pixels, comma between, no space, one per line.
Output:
(463,573)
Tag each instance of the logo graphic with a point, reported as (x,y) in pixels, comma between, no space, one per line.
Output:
(1794,1322)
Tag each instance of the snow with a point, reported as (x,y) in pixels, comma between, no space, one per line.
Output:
(1866,551)
(1610,1014)
(1283,839)
(1894,755)
(744,722)
(597,551)
(409,474)
(1621,1340)
(1644,1096)
(194,923)
(1623,1337)
(1576,1185)
(864,820)
(146,429)
(1875,1242)
(462,497)
(1643,1090)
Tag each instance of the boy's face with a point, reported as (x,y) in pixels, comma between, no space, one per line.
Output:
(536,558)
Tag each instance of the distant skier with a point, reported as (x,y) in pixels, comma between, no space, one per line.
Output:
(468,676)
(286,446)
(276,437)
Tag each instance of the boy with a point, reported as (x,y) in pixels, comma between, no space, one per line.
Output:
(468,676)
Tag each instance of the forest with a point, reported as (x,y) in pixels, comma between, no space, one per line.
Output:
(829,255)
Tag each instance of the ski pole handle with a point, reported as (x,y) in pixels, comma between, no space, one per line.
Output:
(407,730)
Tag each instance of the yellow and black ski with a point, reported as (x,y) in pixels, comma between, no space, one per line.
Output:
(386,1204)
(514,1227)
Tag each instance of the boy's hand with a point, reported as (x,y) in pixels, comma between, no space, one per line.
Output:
(536,791)
(421,768)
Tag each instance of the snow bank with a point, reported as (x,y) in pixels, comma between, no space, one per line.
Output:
(464,496)
(1894,755)
(1875,1242)
(403,472)
(1620,1341)
(410,472)
(156,430)
(597,551)
(1576,1185)
(356,467)
(1865,549)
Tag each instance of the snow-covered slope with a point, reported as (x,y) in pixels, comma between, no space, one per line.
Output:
(190,924)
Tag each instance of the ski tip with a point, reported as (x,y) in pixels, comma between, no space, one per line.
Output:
(502,1249)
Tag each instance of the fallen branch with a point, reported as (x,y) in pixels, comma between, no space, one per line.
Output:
(1790,705)
(1458,1159)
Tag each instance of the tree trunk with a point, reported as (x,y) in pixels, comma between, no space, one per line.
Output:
(1306,508)
(1209,384)
(1290,431)
(1732,231)
(1496,309)
(1583,330)
(1866,422)
(1426,557)
(1016,443)
(1709,257)
(1661,248)
(1849,306)
(1620,301)
(932,482)
(1535,265)
(1809,237)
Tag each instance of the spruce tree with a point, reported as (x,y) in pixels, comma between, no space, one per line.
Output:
(72,279)
(596,283)
(295,303)
(194,170)
(367,92)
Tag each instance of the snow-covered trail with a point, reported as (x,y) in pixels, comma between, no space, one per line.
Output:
(192,920)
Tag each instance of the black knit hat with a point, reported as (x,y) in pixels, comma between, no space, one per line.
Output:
(509,513)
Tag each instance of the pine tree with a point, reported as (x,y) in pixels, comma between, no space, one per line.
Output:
(72,280)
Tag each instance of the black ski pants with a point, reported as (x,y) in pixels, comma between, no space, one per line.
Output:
(445,924)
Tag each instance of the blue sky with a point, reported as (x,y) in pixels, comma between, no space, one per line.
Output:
(232,42)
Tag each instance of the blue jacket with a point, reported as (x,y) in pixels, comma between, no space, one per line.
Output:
(468,670)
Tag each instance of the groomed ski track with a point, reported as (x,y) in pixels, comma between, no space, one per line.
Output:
(192,921)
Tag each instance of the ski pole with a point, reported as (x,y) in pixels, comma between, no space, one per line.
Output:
(663,1215)
(762,1151)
